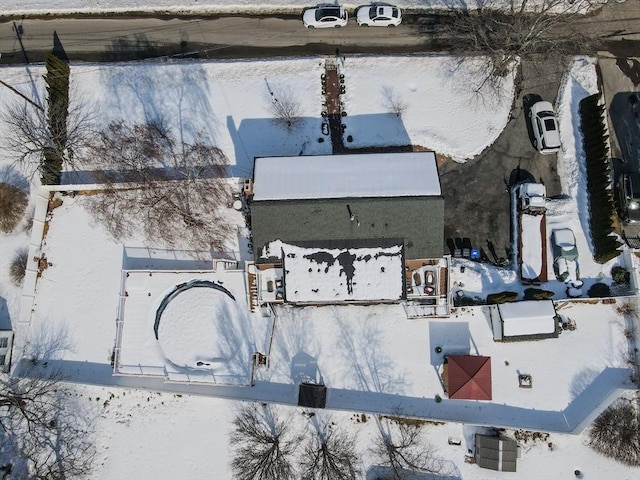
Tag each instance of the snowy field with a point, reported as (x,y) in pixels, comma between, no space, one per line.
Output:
(372,358)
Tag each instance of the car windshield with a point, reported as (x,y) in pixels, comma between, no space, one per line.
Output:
(327,12)
(633,186)
(550,124)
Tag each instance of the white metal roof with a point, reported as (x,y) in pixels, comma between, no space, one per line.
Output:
(536,193)
(530,317)
(346,176)
(564,238)
(533,189)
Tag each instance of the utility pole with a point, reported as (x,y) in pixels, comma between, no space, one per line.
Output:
(17,92)
(19,29)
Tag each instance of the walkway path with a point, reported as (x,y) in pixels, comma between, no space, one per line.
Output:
(605,389)
(333,87)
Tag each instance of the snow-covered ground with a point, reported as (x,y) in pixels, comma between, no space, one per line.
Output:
(372,358)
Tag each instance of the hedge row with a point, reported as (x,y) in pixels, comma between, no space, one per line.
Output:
(601,203)
(57,80)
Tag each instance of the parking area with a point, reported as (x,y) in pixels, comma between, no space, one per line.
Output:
(477,203)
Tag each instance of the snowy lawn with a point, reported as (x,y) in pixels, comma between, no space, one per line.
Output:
(427,101)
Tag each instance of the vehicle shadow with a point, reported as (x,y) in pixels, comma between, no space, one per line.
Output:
(527,102)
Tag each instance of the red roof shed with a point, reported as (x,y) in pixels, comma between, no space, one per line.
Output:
(467,377)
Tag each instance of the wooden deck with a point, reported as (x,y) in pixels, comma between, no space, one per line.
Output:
(253,292)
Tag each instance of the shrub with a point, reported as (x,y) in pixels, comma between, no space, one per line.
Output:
(502,297)
(616,433)
(601,203)
(537,294)
(620,275)
(466,301)
(13,203)
(599,290)
(18,267)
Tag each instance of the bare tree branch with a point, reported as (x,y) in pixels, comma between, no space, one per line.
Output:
(329,454)
(29,135)
(402,448)
(176,189)
(285,107)
(526,29)
(263,445)
(44,433)
(392,101)
(616,432)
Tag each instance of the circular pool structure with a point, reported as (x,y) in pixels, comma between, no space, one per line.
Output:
(190,324)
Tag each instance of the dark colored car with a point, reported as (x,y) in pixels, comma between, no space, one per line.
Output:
(629,197)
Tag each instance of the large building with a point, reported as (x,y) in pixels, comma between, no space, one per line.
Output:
(349,200)
(349,228)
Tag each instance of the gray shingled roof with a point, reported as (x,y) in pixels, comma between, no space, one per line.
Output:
(417,220)
(496,453)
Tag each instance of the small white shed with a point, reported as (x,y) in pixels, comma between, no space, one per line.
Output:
(526,320)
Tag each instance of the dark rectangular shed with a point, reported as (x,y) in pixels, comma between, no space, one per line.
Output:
(312,395)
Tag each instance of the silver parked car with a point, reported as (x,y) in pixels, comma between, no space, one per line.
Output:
(325,16)
(378,15)
(545,127)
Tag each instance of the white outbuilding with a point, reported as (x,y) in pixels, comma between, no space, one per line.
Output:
(526,320)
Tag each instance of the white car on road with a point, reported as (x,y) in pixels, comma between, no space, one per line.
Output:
(545,127)
(325,16)
(378,15)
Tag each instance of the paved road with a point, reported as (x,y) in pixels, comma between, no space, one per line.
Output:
(225,37)
(122,38)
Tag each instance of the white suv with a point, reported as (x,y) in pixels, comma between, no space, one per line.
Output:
(545,127)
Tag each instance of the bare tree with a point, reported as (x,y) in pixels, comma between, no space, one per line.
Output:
(173,189)
(13,203)
(18,266)
(402,449)
(285,107)
(616,432)
(524,29)
(44,433)
(392,101)
(263,445)
(330,454)
(29,136)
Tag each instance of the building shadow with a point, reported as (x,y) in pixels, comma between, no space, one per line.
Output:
(381,130)
(304,368)
(264,137)
(5,316)
(448,338)
(145,258)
